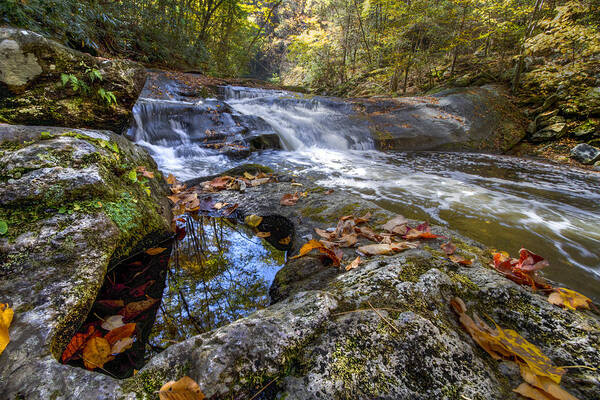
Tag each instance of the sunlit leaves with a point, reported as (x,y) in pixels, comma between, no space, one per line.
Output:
(6,317)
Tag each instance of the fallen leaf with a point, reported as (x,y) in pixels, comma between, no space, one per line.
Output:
(286,240)
(249,176)
(183,389)
(263,234)
(315,244)
(134,309)
(568,298)
(546,384)
(171,180)
(509,267)
(155,251)
(394,222)
(147,174)
(6,317)
(461,260)
(325,234)
(111,303)
(423,231)
(328,192)
(529,261)
(230,209)
(289,199)
(112,322)
(119,333)
(77,342)
(96,353)
(353,264)
(363,219)
(259,181)
(368,233)
(385,248)
(253,220)
(348,240)
(121,345)
(448,248)
(141,290)
(507,344)
(526,390)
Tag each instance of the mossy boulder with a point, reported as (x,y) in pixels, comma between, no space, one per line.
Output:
(72,208)
(32,90)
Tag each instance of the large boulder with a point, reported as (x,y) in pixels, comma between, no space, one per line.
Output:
(460,119)
(383,330)
(585,154)
(32,90)
(72,209)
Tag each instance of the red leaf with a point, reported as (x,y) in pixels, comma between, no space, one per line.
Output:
(78,342)
(529,261)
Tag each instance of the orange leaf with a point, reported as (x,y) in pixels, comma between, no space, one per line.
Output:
(96,353)
(183,389)
(448,248)
(171,180)
(308,247)
(6,316)
(119,333)
(77,342)
(155,250)
(353,264)
(526,390)
(460,260)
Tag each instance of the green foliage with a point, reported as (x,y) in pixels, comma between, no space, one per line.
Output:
(79,85)
(3,227)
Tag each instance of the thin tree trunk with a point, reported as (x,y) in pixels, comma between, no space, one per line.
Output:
(532,24)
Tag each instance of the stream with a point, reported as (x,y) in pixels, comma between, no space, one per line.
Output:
(503,202)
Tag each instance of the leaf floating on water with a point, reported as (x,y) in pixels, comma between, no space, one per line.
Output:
(289,199)
(448,248)
(183,389)
(155,251)
(119,333)
(113,322)
(353,264)
(96,353)
(253,220)
(134,309)
(6,317)
(568,298)
(121,345)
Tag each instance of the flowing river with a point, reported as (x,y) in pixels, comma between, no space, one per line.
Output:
(503,202)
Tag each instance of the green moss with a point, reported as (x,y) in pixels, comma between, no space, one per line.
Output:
(312,212)
(146,383)
(412,269)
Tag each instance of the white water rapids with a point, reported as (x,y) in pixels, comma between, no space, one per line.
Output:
(504,202)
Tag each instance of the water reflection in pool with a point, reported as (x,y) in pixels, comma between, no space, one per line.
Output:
(218,273)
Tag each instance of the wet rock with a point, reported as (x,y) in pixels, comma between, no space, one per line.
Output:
(31,90)
(551,132)
(71,210)
(467,119)
(323,339)
(585,154)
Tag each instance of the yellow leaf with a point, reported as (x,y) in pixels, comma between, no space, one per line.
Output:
(263,234)
(171,180)
(569,299)
(249,176)
(253,220)
(307,247)
(183,389)
(155,250)
(6,316)
(545,384)
(96,353)
(353,264)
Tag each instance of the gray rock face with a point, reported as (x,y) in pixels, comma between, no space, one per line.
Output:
(549,132)
(322,339)
(71,210)
(585,154)
(31,90)
(383,330)
(464,119)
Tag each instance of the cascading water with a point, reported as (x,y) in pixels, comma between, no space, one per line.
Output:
(503,202)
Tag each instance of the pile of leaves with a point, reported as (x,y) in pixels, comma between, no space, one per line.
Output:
(524,271)
(541,376)
(394,236)
(112,337)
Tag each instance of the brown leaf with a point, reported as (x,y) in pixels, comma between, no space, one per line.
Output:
(171,180)
(77,343)
(111,303)
(286,240)
(96,353)
(263,234)
(328,192)
(348,240)
(384,248)
(526,390)
(368,233)
(394,223)
(183,389)
(448,248)
(289,199)
(155,251)
(119,333)
(325,234)
(363,219)
(344,226)
(134,309)
(353,264)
